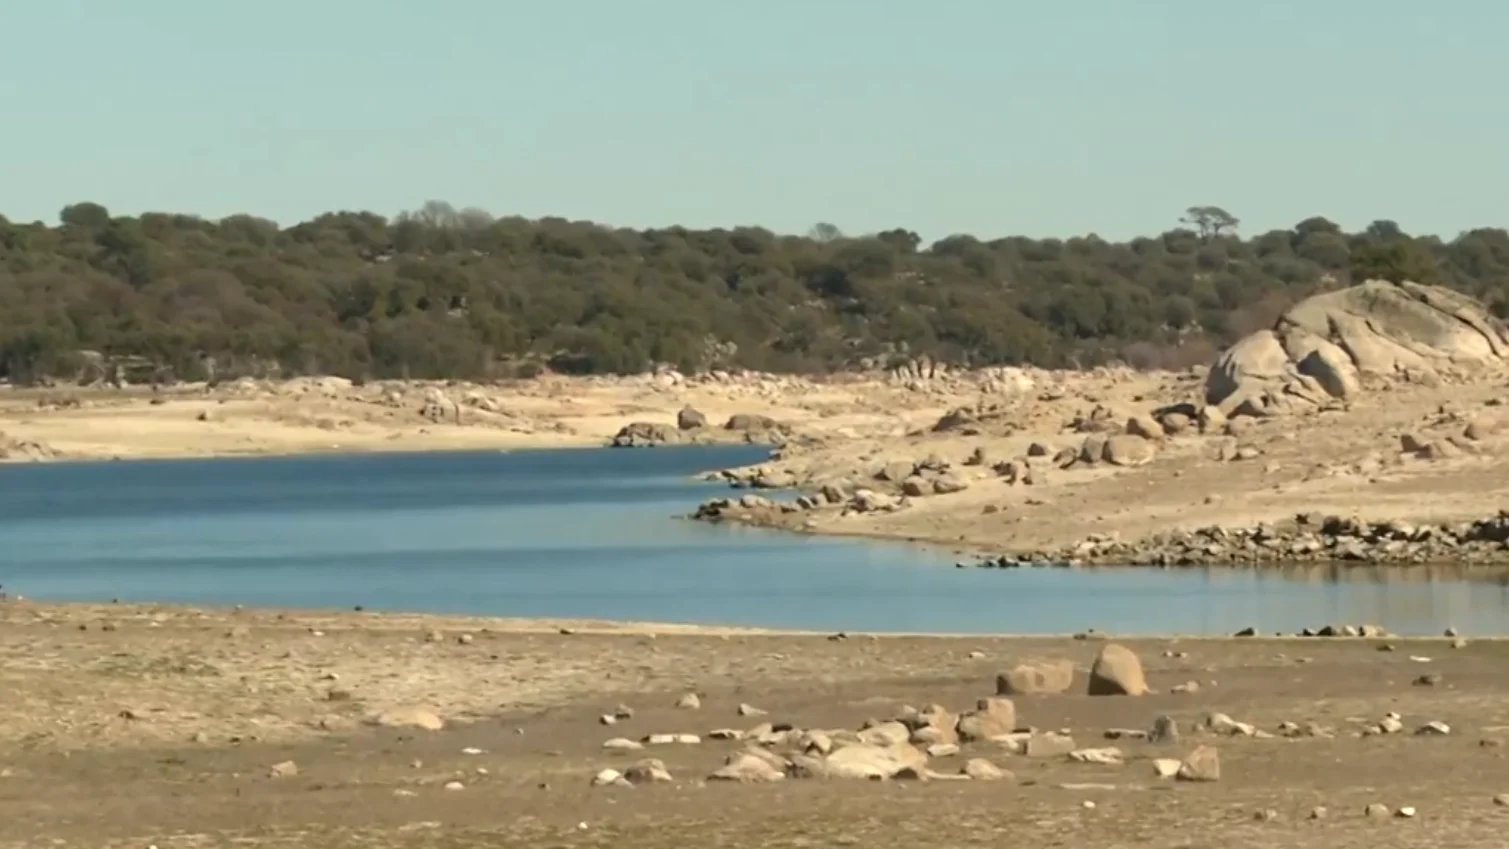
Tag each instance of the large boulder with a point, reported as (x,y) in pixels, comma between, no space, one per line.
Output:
(867,761)
(690,418)
(1321,348)
(1053,676)
(1117,672)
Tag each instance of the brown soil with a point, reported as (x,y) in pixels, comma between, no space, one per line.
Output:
(129,727)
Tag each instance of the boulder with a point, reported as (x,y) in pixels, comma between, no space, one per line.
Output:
(1202,764)
(864,761)
(1144,426)
(934,725)
(885,734)
(690,418)
(992,717)
(1128,450)
(1320,349)
(1117,672)
(644,434)
(946,483)
(1093,448)
(647,771)
(1055,676)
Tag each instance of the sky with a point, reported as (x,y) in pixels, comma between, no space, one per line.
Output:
(989,117)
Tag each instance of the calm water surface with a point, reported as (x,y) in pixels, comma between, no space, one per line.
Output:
(591,533)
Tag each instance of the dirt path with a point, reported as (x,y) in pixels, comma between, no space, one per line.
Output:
(135,726)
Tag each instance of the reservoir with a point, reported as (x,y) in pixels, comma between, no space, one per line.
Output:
(595,534)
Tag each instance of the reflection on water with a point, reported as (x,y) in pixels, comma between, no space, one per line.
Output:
(591,534)
(1404,599)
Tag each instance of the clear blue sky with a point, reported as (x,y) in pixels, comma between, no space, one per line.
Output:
(993,117)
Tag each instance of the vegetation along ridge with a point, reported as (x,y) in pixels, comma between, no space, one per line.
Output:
(441,293)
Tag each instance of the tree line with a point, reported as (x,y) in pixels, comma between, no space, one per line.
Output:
(447,293)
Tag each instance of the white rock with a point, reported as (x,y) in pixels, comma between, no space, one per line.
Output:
(607,777)
(1107,756)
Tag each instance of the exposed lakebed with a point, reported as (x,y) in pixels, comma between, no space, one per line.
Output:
(595,533)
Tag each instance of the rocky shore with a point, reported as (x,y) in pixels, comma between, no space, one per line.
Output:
(1308,538)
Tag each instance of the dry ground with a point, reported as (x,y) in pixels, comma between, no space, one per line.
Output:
(129,727)
(1342,461)
(312,415)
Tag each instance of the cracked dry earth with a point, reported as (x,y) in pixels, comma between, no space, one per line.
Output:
(130,727)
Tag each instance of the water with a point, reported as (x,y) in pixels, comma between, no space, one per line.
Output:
(591,534)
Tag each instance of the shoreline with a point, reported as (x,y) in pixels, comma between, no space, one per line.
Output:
(82,613)
(375,450)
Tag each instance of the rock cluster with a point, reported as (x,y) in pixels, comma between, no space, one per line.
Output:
(1323,349)
(1308,538)
(911,744)
(691,426)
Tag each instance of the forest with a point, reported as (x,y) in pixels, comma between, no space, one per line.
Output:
(446,293)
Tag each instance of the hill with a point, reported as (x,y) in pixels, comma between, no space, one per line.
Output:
(440,293)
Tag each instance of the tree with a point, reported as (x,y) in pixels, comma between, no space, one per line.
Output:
(1396,261)
(1210,221)
(822,231)
(87,215)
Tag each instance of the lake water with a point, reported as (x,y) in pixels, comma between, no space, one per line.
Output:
(592,534)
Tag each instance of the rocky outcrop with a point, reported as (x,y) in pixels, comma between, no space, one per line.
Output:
(1324,348)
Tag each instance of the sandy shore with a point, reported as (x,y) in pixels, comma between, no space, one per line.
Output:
(131,726)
